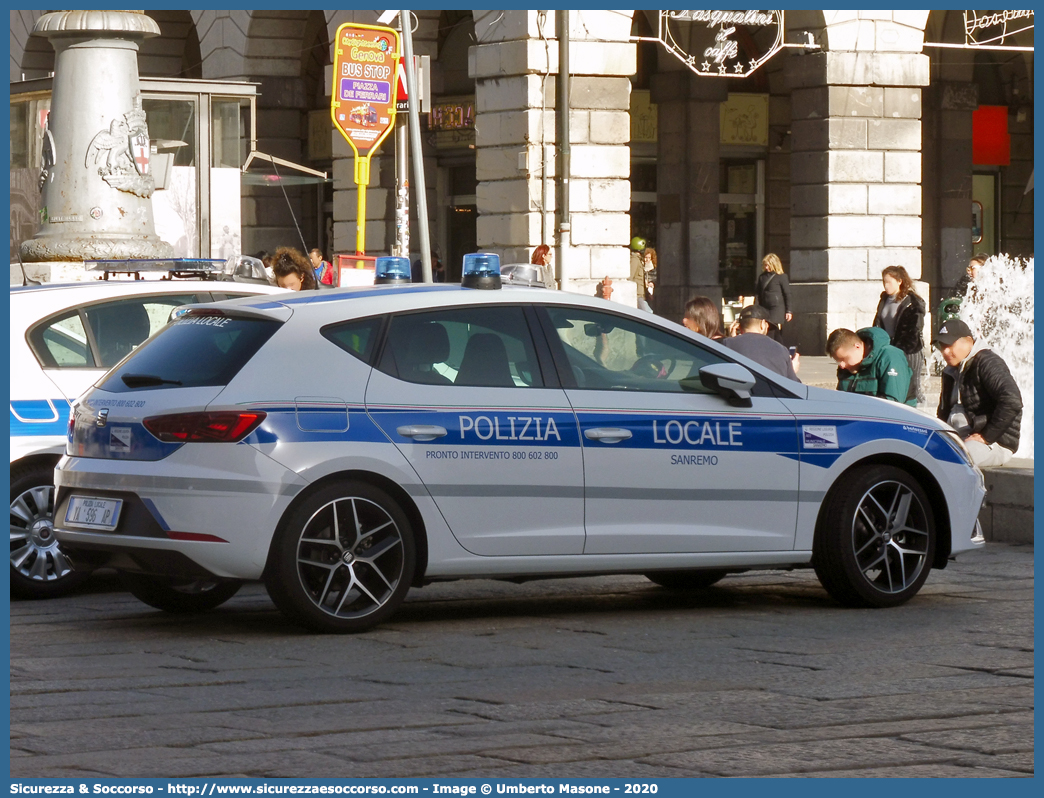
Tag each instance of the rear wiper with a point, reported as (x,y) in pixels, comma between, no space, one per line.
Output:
(145,380)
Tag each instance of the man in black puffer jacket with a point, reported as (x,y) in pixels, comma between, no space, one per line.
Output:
(979,397)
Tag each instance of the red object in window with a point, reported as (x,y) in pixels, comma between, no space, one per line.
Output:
(991,143)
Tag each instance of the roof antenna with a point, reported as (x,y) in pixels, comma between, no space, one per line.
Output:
(25,277)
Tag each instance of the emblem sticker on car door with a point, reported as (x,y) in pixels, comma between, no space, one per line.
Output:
(819,437)
(120,440)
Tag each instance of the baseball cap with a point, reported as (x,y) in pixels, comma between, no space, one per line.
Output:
(753,312)
(951,330)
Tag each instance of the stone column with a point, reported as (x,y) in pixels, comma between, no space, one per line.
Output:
(953,174)
(515,71)
(97,188)
(855,184)
(687,181)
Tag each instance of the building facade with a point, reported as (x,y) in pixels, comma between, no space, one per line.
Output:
(861,139)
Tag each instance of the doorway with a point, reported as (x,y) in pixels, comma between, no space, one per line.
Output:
(742,225)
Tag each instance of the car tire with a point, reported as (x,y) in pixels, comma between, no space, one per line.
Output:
(876,538)
(39,568)
(686,580)
(343,560)
(199,595)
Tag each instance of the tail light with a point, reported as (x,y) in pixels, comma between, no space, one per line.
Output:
(228,427)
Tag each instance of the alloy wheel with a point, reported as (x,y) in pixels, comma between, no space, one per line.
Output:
(34,548)
(350,557)
(890,537)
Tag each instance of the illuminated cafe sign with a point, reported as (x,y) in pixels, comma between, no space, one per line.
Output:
(994,27)
(707,42)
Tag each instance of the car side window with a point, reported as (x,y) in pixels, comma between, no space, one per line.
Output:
(610,352)
(479,346)
(62,343)
(357,337)
(120,327)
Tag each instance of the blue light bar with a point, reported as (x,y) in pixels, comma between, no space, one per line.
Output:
(481,270)
(392,270)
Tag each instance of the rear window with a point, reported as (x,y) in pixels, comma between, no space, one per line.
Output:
(190,352)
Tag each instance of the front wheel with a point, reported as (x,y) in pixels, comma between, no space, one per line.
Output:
(39,568)
(179,597)
(344,559)
(876,540)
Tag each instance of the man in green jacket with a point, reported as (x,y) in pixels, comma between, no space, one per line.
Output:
(868,364)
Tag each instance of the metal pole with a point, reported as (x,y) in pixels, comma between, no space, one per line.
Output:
(413,90)
(402,188)
(562,141)
(402,180)
(362,180)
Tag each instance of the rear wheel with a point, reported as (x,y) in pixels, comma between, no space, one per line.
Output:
(876,540)
(39,568)
(186,596)
(686,580)
(344,559)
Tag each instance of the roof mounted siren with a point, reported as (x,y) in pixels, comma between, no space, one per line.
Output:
(392,270)
(481,270)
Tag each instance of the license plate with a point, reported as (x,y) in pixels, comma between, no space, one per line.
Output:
(93,513)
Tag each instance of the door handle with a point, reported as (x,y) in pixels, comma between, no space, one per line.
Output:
(421,432)
(607,434)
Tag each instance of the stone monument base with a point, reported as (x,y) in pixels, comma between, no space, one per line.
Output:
(55,271)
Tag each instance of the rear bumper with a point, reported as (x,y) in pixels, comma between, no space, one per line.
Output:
(186,515)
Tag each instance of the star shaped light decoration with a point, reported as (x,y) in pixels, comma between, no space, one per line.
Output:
(705,66)
(738,67)
(721,69)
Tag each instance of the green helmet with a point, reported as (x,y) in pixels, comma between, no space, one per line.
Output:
(637,244)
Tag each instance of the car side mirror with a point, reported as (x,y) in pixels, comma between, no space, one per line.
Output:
(729,380)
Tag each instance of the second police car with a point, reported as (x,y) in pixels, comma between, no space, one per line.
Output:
(63,338)
(343,446)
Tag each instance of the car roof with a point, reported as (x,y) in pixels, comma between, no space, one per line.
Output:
(140,286)
(32,302)
(369,300)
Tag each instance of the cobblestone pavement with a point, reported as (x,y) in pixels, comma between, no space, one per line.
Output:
(604,677)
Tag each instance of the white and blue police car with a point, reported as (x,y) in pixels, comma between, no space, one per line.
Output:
(63,338)
(344,446)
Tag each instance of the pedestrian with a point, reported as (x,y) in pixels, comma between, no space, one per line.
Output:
(900,313)
(438,271)
(978,398)
(638,248)
(753,342)
(773,292)
(868,364)
(293,270)
(643,277)
(323,269)
(543,257)
(702,316)
(970,274)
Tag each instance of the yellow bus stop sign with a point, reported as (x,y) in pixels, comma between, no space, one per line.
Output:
(362,103)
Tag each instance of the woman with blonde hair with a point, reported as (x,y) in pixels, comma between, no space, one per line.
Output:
(772,292)
(900,313)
